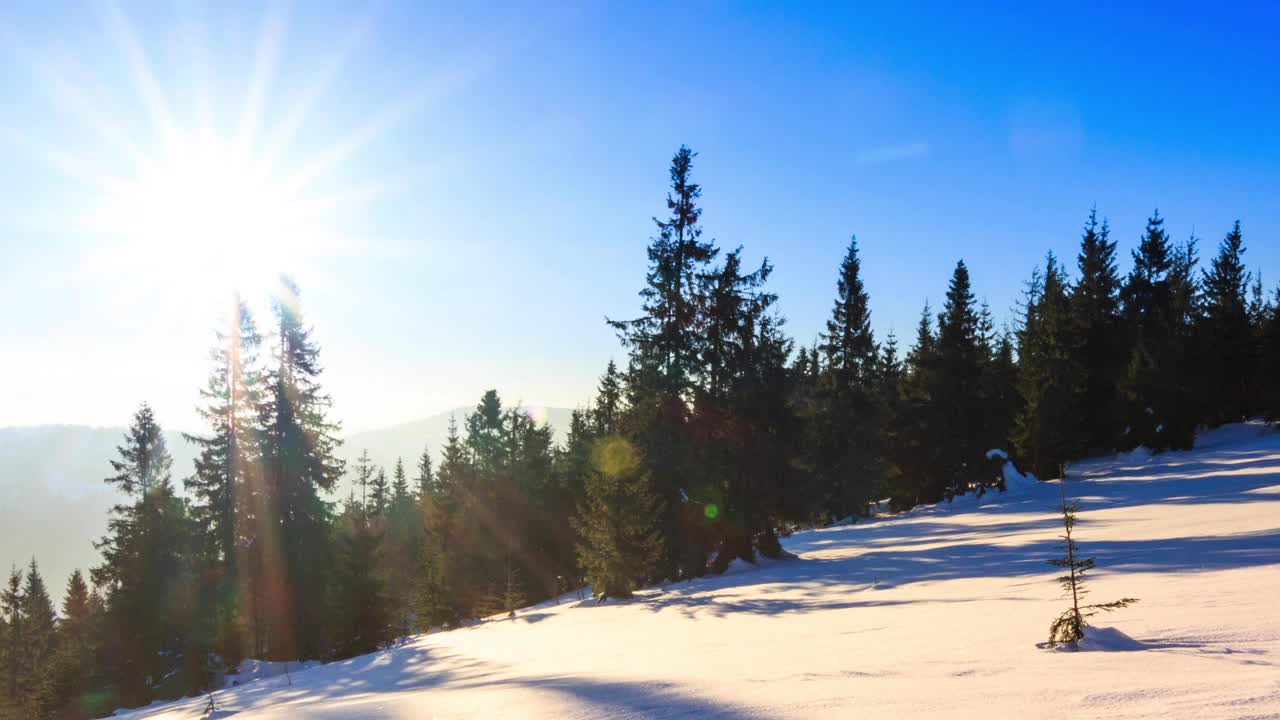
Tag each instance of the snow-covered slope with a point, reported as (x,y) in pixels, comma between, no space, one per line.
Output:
(935,613)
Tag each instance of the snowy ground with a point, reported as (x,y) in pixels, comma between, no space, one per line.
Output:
(936,613)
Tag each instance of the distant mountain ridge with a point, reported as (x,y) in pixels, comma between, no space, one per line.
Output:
(53,502)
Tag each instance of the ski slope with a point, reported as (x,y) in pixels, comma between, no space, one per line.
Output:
(933,613)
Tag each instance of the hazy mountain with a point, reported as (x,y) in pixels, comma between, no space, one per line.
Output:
(53,502)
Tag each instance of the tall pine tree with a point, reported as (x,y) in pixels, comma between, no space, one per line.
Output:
(299,465)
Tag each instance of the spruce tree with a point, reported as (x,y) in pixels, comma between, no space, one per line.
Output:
(1100,345)
(361,617)
(1229,350)
(72,666)
(39,639)
(606,414)
(1051,379)
(665,349)
(445,549)
(1269,362)
(1069,627)
(299,464)
(365,472)
(224,485)
(426,476)
(914,453)
(619,540)
(846,455)
(1188,404)
(513,597)
(956,393)
(144,566)
(1149,382)
(379,494)
(15,646)
(402,542)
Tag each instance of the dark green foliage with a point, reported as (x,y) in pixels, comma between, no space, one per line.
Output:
(299,465)
(1051,377)
(1159,306)
(620,544)
(665,349)
(1069,627)
(145,570)
(1099,342)
(1228,334)
(1269,363)
(221,488)
(13,652)
(379,494)
(843,437)
(361,613)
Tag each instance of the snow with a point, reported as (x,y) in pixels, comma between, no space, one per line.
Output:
(936,612)
(250,670)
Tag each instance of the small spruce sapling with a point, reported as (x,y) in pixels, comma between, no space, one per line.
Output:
(1068,628)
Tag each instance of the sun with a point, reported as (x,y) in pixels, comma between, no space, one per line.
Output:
(207,213)
(198,197)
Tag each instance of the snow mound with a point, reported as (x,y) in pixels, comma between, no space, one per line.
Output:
(1233,433)
(1103,639)
(1015,482)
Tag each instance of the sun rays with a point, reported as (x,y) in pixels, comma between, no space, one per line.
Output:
(200,192)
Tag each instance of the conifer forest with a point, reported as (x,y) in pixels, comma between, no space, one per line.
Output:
(716,436)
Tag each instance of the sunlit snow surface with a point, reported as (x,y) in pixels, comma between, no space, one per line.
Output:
(933,613)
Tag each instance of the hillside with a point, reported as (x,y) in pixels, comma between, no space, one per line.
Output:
(936,612)
(53,503)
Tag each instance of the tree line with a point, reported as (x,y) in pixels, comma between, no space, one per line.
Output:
(718,436)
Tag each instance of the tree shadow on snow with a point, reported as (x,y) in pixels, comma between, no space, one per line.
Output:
(367,687)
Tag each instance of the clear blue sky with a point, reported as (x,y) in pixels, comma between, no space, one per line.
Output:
(489,174)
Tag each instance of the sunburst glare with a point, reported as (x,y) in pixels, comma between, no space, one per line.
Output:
(211,200)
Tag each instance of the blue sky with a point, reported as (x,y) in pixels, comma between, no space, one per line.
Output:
(496,168)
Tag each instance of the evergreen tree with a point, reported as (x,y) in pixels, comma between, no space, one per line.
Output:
(665,349)
(606,415)
(444,550)
(72,666)
(513,597)
(13,659)
(956,393)
(378,494)
(39,625)
(620,542)
(399,484)
(1229,352)
(1100,346)
(1188,405)
(1269,363)
(404,534)
(1069,627)
(298,446)
(1149,385)
(846,455)
(1051,380)
(144,568)
(426,476)
(361,619)
(914,453)
(366,472)
(223,485)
